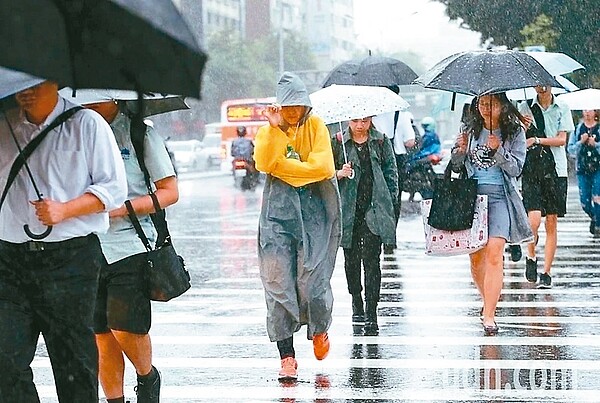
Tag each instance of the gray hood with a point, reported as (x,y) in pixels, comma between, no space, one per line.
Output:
(291,91)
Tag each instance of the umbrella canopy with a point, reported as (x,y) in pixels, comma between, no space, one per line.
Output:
(486,72)
(587,99)
(12,81)
(338,103)
(556,63)
(371,70)
(154,104)
(125,44)
(529,92)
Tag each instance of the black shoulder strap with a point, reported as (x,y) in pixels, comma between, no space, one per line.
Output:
(396,116)
(138,134)
(31,146)
(539,117)
(137,226)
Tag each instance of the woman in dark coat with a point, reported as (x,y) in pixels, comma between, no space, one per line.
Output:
(368,200)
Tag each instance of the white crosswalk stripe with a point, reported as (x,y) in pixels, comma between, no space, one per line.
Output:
(211,343)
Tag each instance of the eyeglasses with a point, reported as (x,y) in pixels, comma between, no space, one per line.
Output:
(363,120)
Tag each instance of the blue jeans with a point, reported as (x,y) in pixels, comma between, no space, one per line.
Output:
(589,187)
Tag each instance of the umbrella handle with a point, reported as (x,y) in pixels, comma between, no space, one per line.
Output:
(37,236)
(351,176)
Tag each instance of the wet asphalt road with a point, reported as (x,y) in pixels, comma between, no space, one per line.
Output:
(211,344)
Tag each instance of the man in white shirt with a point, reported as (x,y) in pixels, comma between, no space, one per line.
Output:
(546,195)
(397,126)
(49,286)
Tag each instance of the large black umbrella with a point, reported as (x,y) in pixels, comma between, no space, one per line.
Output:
(376,71)
(486,72)
(122,44)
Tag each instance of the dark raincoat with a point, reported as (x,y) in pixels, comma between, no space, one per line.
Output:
(380,216)
(299,228)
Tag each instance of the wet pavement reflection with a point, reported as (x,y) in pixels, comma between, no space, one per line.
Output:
(211,344)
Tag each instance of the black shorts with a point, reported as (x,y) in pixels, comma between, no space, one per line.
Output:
(122,303)
(548,195)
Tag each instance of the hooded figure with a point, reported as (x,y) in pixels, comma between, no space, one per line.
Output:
(299,228)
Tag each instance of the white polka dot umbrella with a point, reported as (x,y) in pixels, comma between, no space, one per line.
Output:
(339,103)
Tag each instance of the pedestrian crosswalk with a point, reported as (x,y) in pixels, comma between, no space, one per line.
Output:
(211,344)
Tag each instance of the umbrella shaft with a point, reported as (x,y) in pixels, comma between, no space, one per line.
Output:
(343,143)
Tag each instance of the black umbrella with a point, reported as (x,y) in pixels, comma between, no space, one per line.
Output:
(122,44)
(486,72)
(376,71)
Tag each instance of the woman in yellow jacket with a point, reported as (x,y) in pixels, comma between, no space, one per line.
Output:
(299,228)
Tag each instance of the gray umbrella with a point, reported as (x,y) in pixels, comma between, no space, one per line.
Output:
(154,104)
(486,72)
(375,71)
(140,45)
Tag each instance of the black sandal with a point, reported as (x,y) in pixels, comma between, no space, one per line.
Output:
(490,330)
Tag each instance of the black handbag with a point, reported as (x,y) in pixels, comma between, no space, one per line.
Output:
(453,203)
(539,160)
(166,276)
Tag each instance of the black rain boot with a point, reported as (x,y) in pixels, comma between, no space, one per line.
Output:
(371,328)
(148,387)
(358,310)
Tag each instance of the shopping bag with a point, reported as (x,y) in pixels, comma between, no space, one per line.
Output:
(453,203)
(450,243)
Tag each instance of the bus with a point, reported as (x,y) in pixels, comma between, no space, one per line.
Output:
(246,112)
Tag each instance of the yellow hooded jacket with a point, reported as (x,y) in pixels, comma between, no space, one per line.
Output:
(310,139)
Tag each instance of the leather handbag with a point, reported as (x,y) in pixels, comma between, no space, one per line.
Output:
(450,243)
(453,202)
(165,275)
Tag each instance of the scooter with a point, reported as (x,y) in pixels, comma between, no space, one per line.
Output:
(420,176)
(245,176)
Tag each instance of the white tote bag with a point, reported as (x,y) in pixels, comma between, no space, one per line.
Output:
(449,243)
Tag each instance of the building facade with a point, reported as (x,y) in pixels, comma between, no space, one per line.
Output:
(327,25)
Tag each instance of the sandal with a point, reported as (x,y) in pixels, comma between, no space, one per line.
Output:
(491,330)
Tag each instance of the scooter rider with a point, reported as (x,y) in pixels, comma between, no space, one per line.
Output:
(419,168)
(242,148)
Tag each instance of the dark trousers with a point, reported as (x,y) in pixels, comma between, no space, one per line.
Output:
(49,288)
(365,251)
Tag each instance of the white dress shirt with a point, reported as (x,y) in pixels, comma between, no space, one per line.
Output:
(80,156)
(403,133)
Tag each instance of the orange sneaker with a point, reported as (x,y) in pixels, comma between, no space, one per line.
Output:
(321,345)
(289,369)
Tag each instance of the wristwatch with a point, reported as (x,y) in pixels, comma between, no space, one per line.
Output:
(537,140)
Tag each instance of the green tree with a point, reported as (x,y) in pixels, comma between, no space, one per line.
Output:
(247,69)
(540,32)
(235,69)
(574,22)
